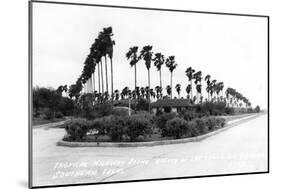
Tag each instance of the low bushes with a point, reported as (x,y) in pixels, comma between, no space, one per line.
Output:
(176,127)
(179,127)
(138,126)
(161,121)
(131,128)
(77,128)
(119,128)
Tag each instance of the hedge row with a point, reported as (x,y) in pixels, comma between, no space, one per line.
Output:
(119,128)
(179,127)
(130,128)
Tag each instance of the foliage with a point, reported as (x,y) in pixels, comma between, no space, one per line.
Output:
(201,125)
(137,126)
(161,121)
(142,104)
(66,106)
(77,128)
(117,127)
(176,127)
(257,109)
(59,115)
(45,98)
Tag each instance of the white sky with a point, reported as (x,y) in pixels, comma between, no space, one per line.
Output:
(232,49)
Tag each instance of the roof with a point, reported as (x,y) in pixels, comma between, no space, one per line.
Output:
(171,103)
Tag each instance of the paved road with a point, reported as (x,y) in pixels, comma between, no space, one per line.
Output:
(240,149)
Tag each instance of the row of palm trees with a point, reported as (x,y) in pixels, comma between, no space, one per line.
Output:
(100,51)
(96,63)
(148,57)
(236,98)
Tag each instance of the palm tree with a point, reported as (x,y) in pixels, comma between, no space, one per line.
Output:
(208,88)
(188,90)
(158,90)
(158,62)
(168,89)
(198,77)
(146,55)
(125,92)
(142,90)
(178,89)
(213,87)
(132,55)
(171,64)
(189,73)
(109,43)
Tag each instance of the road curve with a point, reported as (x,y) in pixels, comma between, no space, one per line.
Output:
(240,149)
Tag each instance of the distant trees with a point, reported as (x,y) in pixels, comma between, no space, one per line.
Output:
(134,58)
(159,60)
(146,55)
(171,65)
(50,103)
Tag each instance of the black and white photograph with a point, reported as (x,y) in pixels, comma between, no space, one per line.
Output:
(122,94)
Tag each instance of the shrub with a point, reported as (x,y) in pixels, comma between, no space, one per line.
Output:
(59,115)
(211,123)
(115,127)
(162,120)
(66,106)
(145,115)
(229,110)
(48,114)
(190,115)
(194,130)
(177,127)
(201,125)
(212,108)
(257,109)
(220,122)
(77,128)
(138,126)
(142,104)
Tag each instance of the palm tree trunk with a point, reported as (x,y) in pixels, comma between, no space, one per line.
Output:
(91,84)
(160,78)
(149,90)
(135,76)
(191,94)
(94,84)
(171,85)
(106,77)
(111,79)
(160,81)
(99,76)
(102,89)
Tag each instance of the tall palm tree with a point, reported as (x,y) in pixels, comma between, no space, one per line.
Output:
(116,94)
(142,90)
(102,47)
(171,64)
(168,89)
(213,88)
(188,90)
(198,77)
(178,89)
(159,60)
(146,55)
(132,55)
(208,88)
(109,43)
(158,90)
(189,73)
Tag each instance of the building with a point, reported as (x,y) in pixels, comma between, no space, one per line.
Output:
(171,105)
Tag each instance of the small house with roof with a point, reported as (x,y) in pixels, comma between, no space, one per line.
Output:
(171,105)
